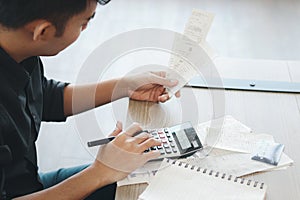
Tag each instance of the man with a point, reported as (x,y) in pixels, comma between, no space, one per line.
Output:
(32,28)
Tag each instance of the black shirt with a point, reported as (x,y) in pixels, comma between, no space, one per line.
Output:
(26,98)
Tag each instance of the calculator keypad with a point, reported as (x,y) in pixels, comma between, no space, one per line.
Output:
(168,147)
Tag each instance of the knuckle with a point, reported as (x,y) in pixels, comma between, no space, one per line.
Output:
(153,142)
(122,136)
(129,144)
(137,125)
(142,136)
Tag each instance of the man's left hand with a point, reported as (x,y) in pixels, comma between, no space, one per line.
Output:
(150,86)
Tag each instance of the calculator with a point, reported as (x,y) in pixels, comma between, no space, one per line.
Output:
(177,141)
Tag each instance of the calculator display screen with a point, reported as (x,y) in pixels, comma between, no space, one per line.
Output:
(186,138)
(183,140)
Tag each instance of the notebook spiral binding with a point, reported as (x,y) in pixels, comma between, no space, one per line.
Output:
(218,174)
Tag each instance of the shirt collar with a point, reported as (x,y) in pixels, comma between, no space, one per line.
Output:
(15,72)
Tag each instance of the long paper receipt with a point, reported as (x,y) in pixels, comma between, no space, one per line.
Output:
(196,30)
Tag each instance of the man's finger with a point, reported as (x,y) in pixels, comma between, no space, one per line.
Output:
(118,129)
(177,94)
(119,125)
(163,81)
(163,98)
(151,142)
(140,138)
(151,155)
(133,129)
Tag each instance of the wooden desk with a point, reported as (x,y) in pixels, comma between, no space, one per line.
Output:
(272,113)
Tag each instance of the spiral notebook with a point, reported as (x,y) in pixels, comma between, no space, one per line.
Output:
(177,180)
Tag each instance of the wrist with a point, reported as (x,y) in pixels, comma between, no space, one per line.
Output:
(123,87)
(101,172)
(106,174)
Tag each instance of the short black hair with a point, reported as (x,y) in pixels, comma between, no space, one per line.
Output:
(15,14)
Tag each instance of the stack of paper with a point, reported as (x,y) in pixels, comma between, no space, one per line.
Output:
(235,145)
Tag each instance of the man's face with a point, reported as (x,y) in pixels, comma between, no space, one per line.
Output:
(73,28)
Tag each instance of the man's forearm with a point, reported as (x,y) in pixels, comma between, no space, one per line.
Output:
(81,98)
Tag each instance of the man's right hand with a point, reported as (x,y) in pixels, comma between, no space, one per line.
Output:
(125,153)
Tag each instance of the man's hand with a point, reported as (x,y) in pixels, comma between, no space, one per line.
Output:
(149,86)
(114,162)
(126,152)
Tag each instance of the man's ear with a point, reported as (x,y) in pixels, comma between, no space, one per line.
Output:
(43,30)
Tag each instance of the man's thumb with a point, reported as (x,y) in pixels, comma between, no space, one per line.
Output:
(118,129)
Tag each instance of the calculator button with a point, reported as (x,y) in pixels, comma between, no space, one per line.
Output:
(156,138)
(166,130)
(172,144)
(154,134)
(162,152)
(170,140)
(164,140)
(195,144)
(168,135)
(168,150)
(166,145)
(174,150)
(159,147)
(147,150)
(153,148)
(162,136)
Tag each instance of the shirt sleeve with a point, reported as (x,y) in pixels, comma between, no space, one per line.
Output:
(53,100)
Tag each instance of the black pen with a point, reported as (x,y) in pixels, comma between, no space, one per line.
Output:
(109,139)
(101,141)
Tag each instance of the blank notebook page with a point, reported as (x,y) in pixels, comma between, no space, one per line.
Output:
(180,181)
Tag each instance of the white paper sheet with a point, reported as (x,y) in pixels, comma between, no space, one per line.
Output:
(237,164)
(233,140)
(228,123)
